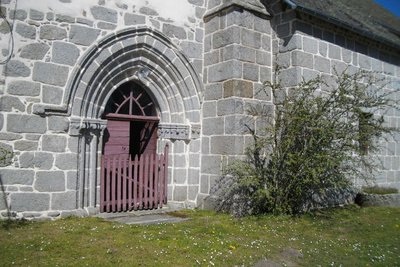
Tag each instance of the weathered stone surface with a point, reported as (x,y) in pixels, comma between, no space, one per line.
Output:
(73,143)
(50,181)
(58,124)
(18,14)
(211,164)
(85,21)
(67,161)
(213,126)
(83,35)
(4,27)
(10,136)
(148,11)
(226,37)
(105,14)
(238,88)
(192,49)
(51,32)
(24,88)
(23,145)
(64,18)
(65,53)
(251,72)
(251,38)
(52,94)
(174,31)
(15,68)
(50,16)
(10,103)
(1,121)
(197,2)
(213,92)
(72,180)
(133,19)
(106,26)
(41,160)
(63,201)
(36,15)
(25,30)
(50,73)
(16,176)
(6,155)
(180,193)
(34,51)
(30,201)
(229,106)
(225,70)
(26,123)
(239,52)
(227,145)
(322,64)
(54,143)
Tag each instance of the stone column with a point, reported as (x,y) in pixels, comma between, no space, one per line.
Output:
(237,60)
(90,132)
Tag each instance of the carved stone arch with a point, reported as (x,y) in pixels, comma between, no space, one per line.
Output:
(124,56)
(140,55)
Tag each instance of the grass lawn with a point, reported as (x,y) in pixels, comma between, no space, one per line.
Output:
(341,237)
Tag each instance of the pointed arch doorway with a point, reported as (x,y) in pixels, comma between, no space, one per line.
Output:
(133,175)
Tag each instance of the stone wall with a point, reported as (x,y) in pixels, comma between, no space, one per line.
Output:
(62,58)
(204,64)
(305,47)
(237,60)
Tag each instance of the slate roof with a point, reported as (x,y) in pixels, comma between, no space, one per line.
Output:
(362,16)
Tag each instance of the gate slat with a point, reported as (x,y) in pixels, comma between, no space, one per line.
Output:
(156,175)
(124,184)
(108,189)
(146,180)
(130,184)
(113,186)
(118,172)
(140,185)
(135,182)
(151,178)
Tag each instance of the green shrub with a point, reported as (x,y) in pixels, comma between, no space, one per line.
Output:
(319,137)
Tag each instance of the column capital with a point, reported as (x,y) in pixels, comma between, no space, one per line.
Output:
(78,125)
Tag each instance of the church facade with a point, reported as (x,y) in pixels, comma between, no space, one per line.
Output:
(88,88)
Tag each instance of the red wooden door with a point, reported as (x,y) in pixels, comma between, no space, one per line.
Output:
(117,138)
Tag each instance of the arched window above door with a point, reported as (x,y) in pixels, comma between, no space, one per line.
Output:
(131,99)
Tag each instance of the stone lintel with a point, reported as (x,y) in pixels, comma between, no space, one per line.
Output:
(253,6)
(238,88)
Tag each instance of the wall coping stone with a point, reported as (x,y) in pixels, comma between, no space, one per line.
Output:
(254,6)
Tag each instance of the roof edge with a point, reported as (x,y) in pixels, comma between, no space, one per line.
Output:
(295,6)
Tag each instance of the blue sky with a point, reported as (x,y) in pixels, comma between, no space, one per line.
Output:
(392,5)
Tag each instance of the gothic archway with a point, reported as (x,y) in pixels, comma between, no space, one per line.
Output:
(151,60)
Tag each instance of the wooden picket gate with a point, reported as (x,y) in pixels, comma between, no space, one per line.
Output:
(133,184)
